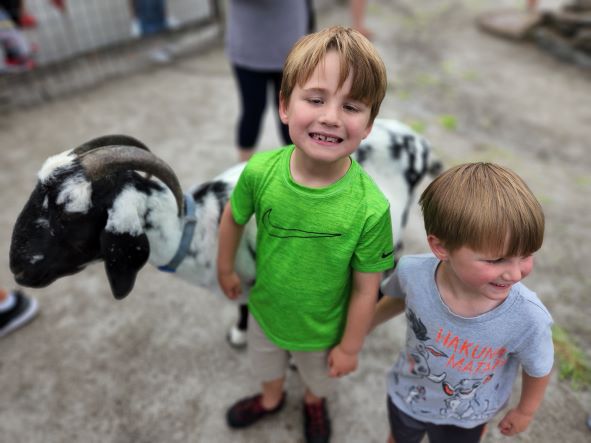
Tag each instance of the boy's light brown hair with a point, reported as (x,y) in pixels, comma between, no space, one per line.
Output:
(485,207)
(358,57)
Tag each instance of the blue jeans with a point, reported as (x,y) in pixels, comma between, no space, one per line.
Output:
(151,14)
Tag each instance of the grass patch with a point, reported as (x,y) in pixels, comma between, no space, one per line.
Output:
(583,181)
(418,126)
(572,363)
(425,80)
(448,122)
(545,199)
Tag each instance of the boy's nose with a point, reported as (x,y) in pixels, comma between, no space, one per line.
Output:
(330,116)
(513,272)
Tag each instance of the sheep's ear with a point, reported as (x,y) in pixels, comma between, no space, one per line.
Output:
(124,255)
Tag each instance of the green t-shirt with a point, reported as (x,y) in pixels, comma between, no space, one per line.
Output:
(309,240)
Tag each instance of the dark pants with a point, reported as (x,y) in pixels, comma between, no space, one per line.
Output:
(13,9)
(253,96)
(151,15)
(406,429)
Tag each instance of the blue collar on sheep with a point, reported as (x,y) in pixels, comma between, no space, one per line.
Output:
(189,221)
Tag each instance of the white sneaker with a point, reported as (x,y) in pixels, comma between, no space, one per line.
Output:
(172,22)
(236,337)
(135,29)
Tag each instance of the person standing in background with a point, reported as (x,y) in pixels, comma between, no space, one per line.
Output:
(16,52)
(259,35)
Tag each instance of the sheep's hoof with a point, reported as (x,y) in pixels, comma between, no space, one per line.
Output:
(236,337)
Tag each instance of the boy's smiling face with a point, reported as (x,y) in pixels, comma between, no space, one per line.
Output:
(487,275)
(325,124)
(469,277)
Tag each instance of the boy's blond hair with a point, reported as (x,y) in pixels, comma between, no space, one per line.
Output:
(358,57)
(485,207)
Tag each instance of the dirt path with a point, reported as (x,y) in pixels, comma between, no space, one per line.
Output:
(155,367)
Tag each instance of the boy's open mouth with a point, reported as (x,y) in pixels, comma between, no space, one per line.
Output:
(499,285)
(325,138)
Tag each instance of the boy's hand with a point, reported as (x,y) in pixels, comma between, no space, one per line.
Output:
(230,284)
(515,422)
(340,362)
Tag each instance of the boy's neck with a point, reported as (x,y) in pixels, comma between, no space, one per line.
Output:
(455,296)
(314,174)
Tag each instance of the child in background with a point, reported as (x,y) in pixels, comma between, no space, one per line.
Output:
(324,229)
(16,53)
(471,322)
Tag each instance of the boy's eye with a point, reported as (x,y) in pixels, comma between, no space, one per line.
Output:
(495,260)
(351,108)
(314,100)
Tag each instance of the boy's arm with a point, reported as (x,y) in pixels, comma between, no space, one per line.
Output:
(229,236)
(532,394)
(342,359)
(387,308)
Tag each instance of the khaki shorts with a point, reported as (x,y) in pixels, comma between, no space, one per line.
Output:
(269,362)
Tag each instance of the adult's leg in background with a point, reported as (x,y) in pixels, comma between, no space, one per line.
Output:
(252,86)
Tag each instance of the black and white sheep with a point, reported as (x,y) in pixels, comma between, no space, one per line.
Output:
(91,203)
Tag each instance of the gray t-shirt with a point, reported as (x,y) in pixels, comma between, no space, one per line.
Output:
(260,33)
(456,370)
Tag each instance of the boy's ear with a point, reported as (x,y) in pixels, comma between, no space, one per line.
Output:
(367,130)
(282,109)
(437,247)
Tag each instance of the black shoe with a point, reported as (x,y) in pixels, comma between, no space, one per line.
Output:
(23,311)
(250,410)
(316,422)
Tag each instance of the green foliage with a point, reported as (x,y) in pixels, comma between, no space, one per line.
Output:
(571,361)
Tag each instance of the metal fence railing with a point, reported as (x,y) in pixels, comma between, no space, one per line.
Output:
(79,43)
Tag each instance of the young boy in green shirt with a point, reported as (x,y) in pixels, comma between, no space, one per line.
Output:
(324,231)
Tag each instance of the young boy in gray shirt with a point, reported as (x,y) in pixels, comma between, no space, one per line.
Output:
(471,322)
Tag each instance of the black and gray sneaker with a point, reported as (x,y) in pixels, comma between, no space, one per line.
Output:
(24,310)
(250,410)
(316,422)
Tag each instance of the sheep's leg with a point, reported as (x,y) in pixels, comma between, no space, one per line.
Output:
(237,333)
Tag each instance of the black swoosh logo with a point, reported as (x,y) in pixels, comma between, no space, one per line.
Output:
(387,254)
(281,232)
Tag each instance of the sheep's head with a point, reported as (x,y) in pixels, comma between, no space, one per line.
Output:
(67,222)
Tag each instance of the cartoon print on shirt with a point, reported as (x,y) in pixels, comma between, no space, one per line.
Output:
(463,403)
(418,358)
(417,363)
(415,393)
